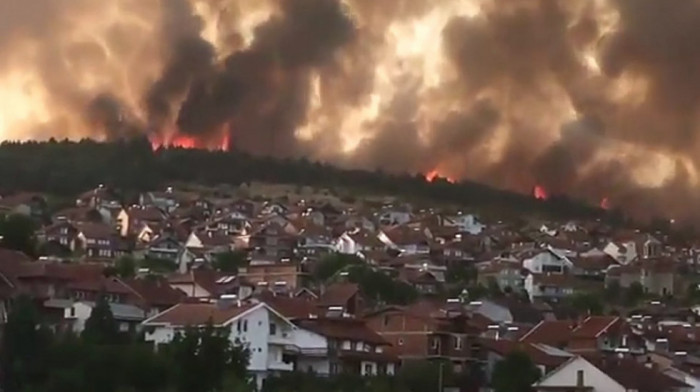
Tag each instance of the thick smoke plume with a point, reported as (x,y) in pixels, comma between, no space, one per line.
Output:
(593,98)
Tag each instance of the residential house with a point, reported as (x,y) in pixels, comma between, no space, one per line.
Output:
(100,197)
(277,276)
(165,201)
(127,317)
(164,247)
(131,220)
(394,215)
(24,203)
(600,333)
(271,338)
(406,239)
(656,275)
(92,288)
(548,286)
(358,240)
(594,267)
(341,299)
(196,283)
(272,239)
(153,293)
(503,271)
(63,234)
(508,311)
(608,375)
(426,330)
(545,358)
(205,244)
(353,347)
(99,240)
(466,223)
(554,333)
(314,241)
(548,261)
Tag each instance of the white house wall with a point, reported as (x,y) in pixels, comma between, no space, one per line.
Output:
(592,377)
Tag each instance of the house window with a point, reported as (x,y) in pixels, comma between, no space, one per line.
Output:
(72,311)
(458,342)
(386,321)
(238,326)
(368,369)
(436,343)
(245,325)
(273,329)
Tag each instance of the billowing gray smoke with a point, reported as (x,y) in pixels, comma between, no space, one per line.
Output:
(598,99)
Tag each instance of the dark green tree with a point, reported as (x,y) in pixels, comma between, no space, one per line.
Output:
(379,287)
(515,373)
(634,294)
(125,267)
(100,327)
(230,262)
(425,376)
(332,264)
(17,233)
(612,291)
(145,370)
(205,360)
(24,348)
(587,303)
(462,274)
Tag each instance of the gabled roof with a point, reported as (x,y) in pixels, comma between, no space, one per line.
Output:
(594,326)
(338,294)
(343,329)
(634,376)
(290,307)
(198,314)
(553,333)
(155,291)
(537,353)
(100,231)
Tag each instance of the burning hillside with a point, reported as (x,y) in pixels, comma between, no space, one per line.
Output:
(593,98)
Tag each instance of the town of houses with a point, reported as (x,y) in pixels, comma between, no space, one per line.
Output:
(290,322)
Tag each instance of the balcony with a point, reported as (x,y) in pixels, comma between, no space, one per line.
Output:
(281,338)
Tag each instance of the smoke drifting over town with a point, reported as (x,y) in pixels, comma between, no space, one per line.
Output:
(594,98)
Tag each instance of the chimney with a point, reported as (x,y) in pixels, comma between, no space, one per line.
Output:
(579,379)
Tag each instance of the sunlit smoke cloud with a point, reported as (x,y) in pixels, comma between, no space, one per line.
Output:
(592,98)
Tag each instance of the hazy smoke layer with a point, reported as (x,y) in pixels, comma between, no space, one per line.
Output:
(596,98)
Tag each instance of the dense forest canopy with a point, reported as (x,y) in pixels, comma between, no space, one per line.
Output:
(66,168)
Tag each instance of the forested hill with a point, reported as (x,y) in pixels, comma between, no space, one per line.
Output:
(67,168)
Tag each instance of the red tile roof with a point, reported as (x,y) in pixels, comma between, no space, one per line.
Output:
(338,294)
(553,333)
(155,291)
(190,314)
(594,326)
(634,376)
(290,307)
(107,285)
(343,329)
(504,347)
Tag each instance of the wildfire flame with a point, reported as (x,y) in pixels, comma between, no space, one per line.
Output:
(434,175)
(540,193)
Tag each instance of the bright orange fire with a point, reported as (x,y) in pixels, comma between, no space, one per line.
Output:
(435,175)
(605,203)
(540,193)
(186,141)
